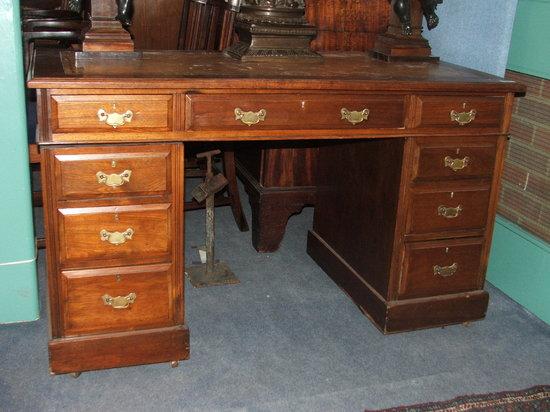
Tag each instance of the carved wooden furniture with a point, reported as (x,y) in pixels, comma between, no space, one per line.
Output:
(429,141)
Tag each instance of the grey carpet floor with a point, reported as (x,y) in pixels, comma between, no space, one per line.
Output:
(285,339)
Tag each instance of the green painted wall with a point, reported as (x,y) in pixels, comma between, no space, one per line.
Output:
(520,267)
(520,262)
(530,50)
(18,285)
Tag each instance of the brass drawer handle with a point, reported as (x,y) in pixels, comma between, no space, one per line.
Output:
(449,212)
(119,302)
(456,164)
(115,119)
(354,117)
(116,238)
(445,271)
(113,180)
(250,118)
(463,118)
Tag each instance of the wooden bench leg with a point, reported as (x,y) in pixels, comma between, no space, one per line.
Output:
(233,190)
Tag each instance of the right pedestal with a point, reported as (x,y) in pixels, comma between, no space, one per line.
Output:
(403,226)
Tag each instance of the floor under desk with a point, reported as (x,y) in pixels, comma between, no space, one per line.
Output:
(286,338)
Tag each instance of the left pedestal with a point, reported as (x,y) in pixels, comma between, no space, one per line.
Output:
(114,229)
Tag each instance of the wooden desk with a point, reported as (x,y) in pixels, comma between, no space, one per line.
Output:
(404,215)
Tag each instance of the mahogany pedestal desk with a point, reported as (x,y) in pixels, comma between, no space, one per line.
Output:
(409,164)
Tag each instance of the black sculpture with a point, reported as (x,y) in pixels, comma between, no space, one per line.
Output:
(428,8)
(402,9)
(125,11)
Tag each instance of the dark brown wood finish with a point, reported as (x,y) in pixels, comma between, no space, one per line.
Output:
(156,24)
(347,25)
(369,234)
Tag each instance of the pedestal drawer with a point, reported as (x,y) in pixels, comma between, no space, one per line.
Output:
(111,113)
(121,171)
(464,112)
(115,235)
(459,158)
(442,267)
(433,212)
(293,111)
(116,299)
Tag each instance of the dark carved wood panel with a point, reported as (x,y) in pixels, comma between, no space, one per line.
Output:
(347,24)
(156,24)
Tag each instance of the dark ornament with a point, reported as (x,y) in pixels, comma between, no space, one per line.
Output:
(402,8)
(125,11)
(428,8)
(273,29)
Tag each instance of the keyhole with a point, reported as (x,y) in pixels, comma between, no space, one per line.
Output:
(464,105)
(118,278)
(117,218)
(113,163)
(452,194)
(446,250)
(457,150)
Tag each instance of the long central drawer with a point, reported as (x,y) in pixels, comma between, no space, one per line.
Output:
(293,111)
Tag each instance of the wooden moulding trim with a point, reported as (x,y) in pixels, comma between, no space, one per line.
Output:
(257,135)
(114,350)
(306,84)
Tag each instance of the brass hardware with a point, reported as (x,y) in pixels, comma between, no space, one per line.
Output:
(113,163)
(114,180)
(463,118)
(445,271)
(354,117)
(456,164)
(250,118)
(449,212)
(116,238)
(115,119)
(119,302)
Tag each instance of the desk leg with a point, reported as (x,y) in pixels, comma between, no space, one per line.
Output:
(271,210)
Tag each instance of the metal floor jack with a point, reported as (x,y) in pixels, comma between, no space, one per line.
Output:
(211,273)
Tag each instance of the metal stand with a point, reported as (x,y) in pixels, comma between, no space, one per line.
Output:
(211,273)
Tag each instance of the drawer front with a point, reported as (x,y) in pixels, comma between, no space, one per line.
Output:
(433,212)
(439,268)
(115,235)
(436,160)
(293,111)
(111,113)
(116,299)
(119,171)
(461,112)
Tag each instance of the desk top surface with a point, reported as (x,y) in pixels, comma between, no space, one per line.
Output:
(177,69)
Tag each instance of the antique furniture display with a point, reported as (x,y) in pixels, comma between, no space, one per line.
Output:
(423,172)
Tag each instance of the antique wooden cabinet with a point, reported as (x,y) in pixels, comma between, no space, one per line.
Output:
(410,157)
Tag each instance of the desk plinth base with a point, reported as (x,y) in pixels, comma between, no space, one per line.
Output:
(396,316)
(113,350)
